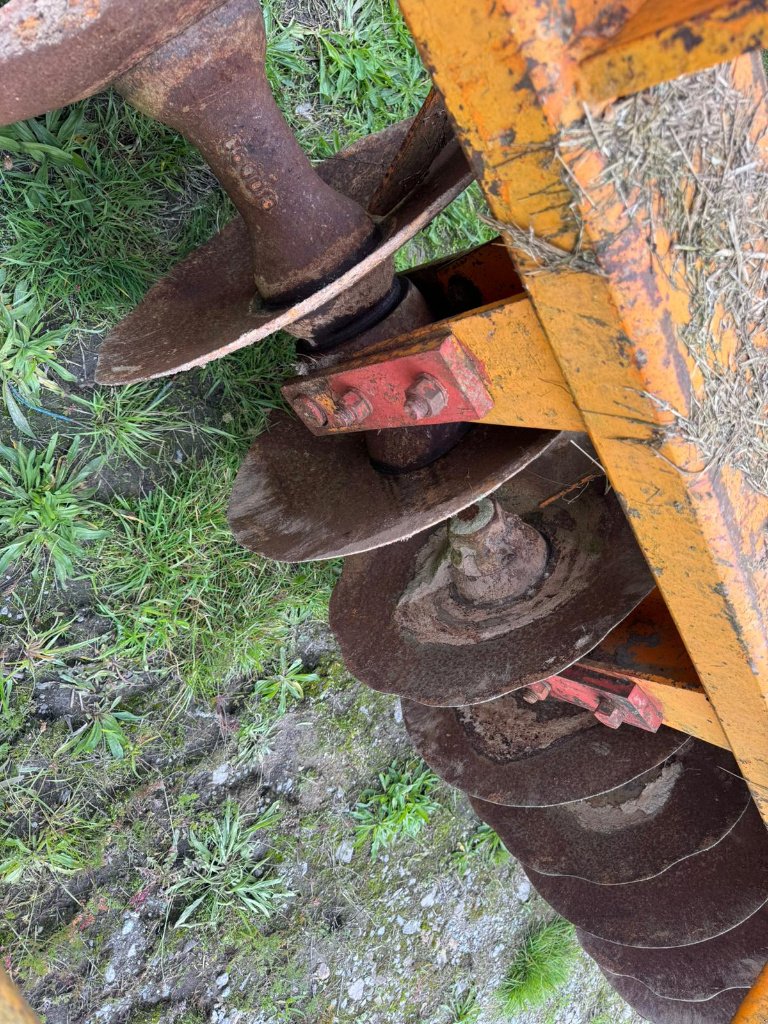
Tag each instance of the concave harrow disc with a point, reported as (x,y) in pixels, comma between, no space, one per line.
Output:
(699,971)
(669,813)
(719,1009)
(532,755)
(595,575)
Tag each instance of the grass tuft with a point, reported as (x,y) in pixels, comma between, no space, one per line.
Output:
(540,967)
(399,806)
(223,872)
(45,507)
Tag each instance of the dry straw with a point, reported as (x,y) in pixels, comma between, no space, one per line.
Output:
(688,154)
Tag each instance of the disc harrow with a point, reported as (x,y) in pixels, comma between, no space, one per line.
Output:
(492,579)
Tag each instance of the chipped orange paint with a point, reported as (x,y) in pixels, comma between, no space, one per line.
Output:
(508,74)
(664,40)
(754,1009)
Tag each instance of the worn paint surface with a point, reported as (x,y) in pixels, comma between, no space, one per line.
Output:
(664,40)
(510,83)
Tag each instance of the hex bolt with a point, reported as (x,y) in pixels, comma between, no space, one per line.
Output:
(310,411)
(608,713)
(425,397)
(536,691)
(351,408)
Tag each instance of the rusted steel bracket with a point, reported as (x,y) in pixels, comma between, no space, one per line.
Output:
(437,380)
(613,703)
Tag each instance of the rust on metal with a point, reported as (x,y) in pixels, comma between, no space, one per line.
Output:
(430,132)
(299,497)
(635,831)
(210,84)
(508,752)
(53,52)
(731,960)
(207,307)
(698,898)
(445,650)
(442,383)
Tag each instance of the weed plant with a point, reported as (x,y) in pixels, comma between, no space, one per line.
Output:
(482,844)
(58,840)
(400,805)
(462,1008)
(224,874)
(45,507)
(540,967)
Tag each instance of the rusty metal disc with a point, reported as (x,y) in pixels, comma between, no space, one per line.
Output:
(53,52)
(731,960)
(594,577)
(635,831)
(696,899)
(299,497)
(521,755)
(719,1009)
(207,306)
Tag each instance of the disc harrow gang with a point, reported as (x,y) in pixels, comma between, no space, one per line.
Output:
(481,561)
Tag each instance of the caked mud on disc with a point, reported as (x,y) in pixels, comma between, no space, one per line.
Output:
(532,755)
(299,497)
(595,575)
(696,899)
(731,960)
(679,808)
(721,1009)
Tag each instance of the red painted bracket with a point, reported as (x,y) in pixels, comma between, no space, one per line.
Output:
(612,701)
(436,380)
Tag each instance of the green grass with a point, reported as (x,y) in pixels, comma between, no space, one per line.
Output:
(482,844)
(184,594)
(540,967)
(223,873)
(462,1008)
(45,507)
(399,805)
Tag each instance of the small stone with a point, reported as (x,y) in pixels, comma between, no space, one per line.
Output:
(109,975)
(344,852)
(411,927)
(220,775)
(322,971)
(222,980)
(398,713)
(356,989)
(129,925)
(429,899)
(523,890)
(497,951)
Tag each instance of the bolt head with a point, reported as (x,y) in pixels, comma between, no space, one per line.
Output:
(351,408)
(310,411)
(425,397)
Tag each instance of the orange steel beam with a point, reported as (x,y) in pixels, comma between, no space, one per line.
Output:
(14,1009)
(664,39)
(614,310)
(754,1009)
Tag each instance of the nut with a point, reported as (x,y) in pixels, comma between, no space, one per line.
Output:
(425,397)
(313,414)
(351,408)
